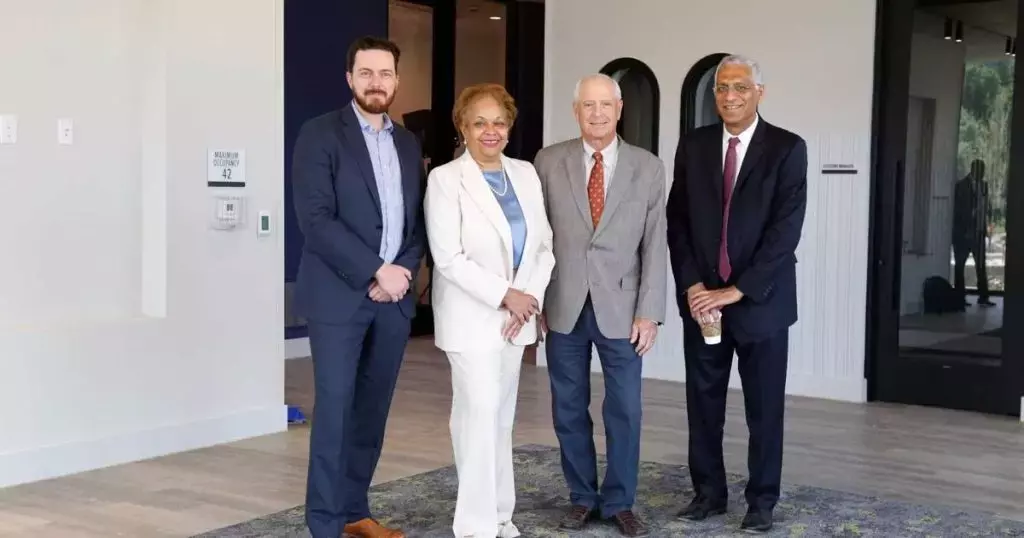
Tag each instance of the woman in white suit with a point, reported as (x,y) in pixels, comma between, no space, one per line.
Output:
(491,245)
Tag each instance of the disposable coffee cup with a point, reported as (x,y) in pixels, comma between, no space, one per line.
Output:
(711,328)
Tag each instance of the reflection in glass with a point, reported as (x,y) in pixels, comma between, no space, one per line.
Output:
(640,102)
(705,111)
(983,157)
(954,201)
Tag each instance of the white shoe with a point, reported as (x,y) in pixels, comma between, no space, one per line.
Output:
(506,529)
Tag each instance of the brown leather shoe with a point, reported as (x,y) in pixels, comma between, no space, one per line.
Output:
(629,524)
(368,528)
(576,518)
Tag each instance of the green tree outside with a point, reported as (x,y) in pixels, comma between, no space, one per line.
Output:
(985,128)
(985,111)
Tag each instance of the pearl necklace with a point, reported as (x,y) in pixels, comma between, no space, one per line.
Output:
(504,187)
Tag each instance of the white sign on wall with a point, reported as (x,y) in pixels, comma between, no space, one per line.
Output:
(839,153)
(226,168)
(836,168)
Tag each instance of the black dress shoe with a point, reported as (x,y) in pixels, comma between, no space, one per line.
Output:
(701,508)
(757,520)
(576,518)
(629,524)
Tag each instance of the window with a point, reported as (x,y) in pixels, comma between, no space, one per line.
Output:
(697,108)
(640,102)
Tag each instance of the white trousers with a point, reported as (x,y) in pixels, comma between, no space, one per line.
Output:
(484,390)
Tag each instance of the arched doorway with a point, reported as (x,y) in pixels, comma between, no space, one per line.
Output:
(697,106)
(641,98)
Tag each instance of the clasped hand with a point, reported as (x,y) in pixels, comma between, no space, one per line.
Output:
(390,284)
(704,301)
(521,307)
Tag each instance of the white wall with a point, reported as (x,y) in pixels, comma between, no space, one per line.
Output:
(817,59)
(129,329)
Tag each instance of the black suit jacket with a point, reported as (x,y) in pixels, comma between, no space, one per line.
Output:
(339,213)
(972,211)
(766,218)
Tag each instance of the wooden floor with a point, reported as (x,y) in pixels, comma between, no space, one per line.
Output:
(925,455)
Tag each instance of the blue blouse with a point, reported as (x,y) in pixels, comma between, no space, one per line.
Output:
(509,202)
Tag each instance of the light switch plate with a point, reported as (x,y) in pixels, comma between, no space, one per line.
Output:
(263,225)
(8,129)
(65,131)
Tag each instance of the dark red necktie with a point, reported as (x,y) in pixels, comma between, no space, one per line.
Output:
(595,189)
(724,267)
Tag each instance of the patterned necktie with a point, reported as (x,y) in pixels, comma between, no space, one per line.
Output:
(724,267)
(595,188)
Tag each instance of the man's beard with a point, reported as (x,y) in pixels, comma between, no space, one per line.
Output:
(375,107)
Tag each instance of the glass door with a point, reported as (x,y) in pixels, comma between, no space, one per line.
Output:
(945,299)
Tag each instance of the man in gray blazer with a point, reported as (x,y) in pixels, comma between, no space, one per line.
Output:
(606,203)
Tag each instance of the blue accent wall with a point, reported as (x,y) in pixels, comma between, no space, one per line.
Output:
(317,34)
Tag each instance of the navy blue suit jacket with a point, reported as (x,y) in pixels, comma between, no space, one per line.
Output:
(766,219)
(339,213)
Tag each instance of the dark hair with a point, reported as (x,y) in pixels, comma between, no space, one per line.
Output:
(372,43)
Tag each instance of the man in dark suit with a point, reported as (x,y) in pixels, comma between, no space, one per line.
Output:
(735,214)
(358,185)
(972,213)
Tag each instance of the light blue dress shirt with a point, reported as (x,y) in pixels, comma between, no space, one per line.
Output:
(506,196)
(387,172)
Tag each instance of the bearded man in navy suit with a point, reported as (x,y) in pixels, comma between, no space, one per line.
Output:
(358,186)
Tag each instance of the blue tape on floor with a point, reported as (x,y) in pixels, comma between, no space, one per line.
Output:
(295,415)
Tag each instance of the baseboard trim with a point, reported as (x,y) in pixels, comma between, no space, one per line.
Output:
(61,460)
(296,348)
(797,384)
(826,388)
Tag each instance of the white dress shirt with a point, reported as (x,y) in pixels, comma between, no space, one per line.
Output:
(610,155)
(741,148)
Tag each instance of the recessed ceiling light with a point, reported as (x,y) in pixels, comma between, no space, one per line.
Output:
(495,18)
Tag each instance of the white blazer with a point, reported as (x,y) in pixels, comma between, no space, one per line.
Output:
(471,245)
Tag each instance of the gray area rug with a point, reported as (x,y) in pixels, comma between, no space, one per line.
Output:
(422,506)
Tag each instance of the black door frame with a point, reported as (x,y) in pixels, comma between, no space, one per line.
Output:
(926,381)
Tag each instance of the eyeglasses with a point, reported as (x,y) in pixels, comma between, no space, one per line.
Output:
(738,88)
